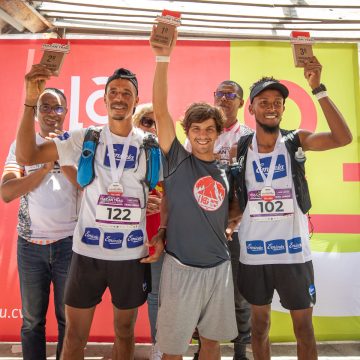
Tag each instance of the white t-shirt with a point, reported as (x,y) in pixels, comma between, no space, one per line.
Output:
(229,137)
(49,212)
(267,235)
(93,240)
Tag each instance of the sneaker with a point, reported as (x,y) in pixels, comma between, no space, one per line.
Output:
(155,353)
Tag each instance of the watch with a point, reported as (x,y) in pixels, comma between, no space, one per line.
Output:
(319,89)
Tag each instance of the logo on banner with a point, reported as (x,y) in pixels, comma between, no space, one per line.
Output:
(255,247)
(118,148)
(135,239)
(280,168)
(209,193)
(113,240)
(275,247)
(91,236)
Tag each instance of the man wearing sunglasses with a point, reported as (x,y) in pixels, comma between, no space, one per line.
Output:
(47,217)
(229,97)
(110,236)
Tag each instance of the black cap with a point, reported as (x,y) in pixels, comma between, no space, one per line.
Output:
(268,84)
(123,73)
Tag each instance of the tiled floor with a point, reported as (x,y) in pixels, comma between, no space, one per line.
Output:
(284,351)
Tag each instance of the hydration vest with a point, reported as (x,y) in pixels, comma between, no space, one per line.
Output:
(86,170)
(237,170)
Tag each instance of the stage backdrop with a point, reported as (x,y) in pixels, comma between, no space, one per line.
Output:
(195,70)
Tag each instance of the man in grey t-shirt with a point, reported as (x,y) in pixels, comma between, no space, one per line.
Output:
(196,288)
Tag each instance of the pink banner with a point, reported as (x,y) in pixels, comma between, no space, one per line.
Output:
(196,69)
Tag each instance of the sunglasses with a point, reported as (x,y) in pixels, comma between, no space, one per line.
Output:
(47,109)
(147,122)
(228,96)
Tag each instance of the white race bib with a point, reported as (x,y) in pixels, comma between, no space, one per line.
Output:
(279,207)
(118,212)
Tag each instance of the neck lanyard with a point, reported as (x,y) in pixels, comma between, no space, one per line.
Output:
(116,173)
(267,180)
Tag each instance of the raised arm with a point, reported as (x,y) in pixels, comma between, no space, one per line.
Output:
(339,134)
(165,125)
(27,152)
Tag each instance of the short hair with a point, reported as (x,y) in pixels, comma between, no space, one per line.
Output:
(54,90)
(200,112)
(141,110)
(239,89)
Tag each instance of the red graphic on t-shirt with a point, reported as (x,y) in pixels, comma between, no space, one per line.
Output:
(209,193)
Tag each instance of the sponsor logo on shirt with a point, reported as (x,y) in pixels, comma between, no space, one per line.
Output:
(91,236)
(209,193)
(118,148)
(275,247)
(280,168)
(135,239)
(255,247)
(294,245)
(113,240)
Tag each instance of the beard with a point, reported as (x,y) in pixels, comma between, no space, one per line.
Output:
(267,128)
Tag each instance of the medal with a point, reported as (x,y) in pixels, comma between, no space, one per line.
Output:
(115,189)
(267,193)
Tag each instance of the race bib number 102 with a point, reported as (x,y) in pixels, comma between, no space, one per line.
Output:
(280,207)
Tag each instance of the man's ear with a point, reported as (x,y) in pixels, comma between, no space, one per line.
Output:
(241,103)
(251,109)
(136,103)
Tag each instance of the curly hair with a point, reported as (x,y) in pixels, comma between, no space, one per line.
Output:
(200,112)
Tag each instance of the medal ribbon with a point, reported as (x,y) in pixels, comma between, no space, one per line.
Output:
(267,180)
(116,173)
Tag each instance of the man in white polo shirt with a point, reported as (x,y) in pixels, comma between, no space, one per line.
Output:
(46,221)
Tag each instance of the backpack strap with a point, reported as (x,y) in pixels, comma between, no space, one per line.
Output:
(292,143)
(153,160)
(236,173)
(86,171)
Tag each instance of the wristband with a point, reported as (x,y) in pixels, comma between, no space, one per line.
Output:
(34,107)
(321,95)
(319,89)
(162,227)
(162,59)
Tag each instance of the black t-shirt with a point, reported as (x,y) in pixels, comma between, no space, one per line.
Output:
(197,199)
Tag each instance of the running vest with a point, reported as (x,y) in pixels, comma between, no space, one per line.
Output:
(86,170)
(292,143)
